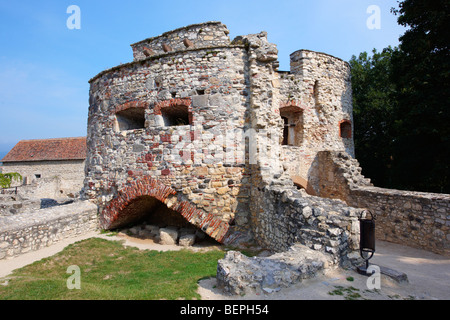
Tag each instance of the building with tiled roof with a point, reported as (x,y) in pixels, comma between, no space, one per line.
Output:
(54,166)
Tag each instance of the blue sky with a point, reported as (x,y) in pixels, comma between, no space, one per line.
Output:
(45,67)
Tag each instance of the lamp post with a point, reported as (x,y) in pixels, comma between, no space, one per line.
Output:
(366,241)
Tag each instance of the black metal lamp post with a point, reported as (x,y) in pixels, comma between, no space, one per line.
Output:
(366,241)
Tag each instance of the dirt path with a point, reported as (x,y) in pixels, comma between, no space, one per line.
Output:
(428,274)
(428,279)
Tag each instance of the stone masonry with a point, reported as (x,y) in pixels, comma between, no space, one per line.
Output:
(206,128)
(34,230)
(416,219)
(196,121)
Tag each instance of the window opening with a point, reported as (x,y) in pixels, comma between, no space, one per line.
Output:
(285,131)
(345,129)
(131,119)
(175,116)
(293,128)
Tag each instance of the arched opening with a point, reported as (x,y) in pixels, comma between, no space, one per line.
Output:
(147,197)
(345,129)
(301,183)
(149,218)
(293,126)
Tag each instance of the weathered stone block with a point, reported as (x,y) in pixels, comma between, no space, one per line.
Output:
(187,240)
(168,236)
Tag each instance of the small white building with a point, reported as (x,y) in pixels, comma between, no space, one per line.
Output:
(51,168)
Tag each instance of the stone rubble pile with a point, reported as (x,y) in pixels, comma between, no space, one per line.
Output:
(167,235)
(238,274)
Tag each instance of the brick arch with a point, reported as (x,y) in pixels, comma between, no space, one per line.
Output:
(147,186)
(171,103)
(130,105)
(345,129)
(185,103)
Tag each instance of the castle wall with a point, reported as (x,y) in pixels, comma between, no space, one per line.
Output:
(192,159)
(38,229)
(319,86)
(280,214)
(222,169)
(203,35)
(416,219)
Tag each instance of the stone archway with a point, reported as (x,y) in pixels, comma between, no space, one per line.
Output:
(147,192)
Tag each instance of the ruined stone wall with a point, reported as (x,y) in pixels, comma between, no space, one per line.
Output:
(415,219)
(319,86)
(38,229)
(325,225)
(280,214)
(222,169)
(192,159)
(203,35)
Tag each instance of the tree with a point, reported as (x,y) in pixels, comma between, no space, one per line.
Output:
(373,108)
(7,178)
(420,73)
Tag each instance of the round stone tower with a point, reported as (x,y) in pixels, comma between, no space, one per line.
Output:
(197,125)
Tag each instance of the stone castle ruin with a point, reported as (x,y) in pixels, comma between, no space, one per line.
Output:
(205,132)
(208,129)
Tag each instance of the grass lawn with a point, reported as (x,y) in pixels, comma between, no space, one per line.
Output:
(110,271)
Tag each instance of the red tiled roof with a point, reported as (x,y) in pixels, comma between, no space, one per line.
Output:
(48,149)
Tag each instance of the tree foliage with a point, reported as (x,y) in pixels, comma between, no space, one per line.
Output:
(7,178)
(421,71)
(401,101)
(373,109)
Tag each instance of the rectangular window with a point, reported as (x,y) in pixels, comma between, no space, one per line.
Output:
(130,119)
(345,129)
(175,116)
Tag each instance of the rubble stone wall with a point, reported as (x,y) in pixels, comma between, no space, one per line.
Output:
(192,159)
(38,229)
(225,160)
(320,85)
(325,225)
(202,35)
(416,219)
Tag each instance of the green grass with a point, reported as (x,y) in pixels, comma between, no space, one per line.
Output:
(110,271)
(349,293)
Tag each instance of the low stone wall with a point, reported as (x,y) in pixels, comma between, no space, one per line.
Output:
(286,217)
(415,219)
(31,231)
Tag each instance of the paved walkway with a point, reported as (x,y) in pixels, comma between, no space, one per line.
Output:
(426,271)
(428,274)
